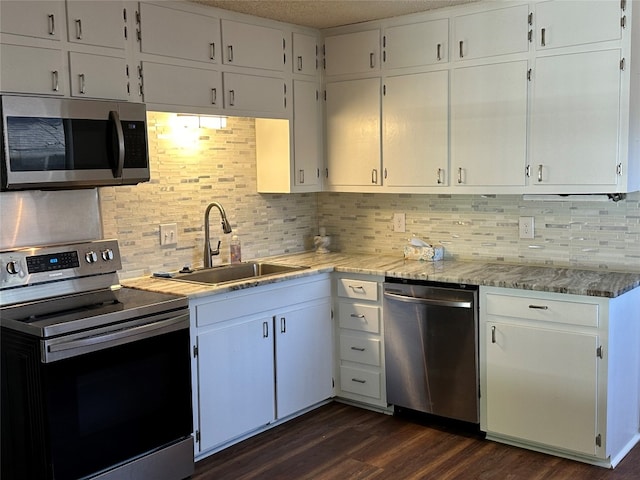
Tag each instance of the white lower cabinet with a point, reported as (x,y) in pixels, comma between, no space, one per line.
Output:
(359,338)
(561,373)
(259,357)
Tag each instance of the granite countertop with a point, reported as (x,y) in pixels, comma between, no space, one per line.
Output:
(528,277)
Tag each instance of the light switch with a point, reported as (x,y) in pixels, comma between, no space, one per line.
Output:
(168,234)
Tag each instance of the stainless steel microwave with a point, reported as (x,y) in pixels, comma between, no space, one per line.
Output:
(57,143)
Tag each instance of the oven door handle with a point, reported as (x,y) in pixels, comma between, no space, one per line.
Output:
(428,301)
(93,343)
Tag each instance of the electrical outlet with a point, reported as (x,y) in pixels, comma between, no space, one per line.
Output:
(399,222)
(526,227)
(168,234)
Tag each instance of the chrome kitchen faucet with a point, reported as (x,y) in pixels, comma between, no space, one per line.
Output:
(226,228)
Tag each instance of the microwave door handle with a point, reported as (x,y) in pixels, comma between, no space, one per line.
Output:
(117,169)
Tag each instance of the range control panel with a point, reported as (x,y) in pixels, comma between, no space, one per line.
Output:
(29,266)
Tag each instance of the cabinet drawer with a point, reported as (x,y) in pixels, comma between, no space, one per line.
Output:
(365,318)
(350,288)
(360,381)
(531,308)
(360,349)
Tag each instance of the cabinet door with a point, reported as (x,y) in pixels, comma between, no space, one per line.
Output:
(352,53)
(253,46)
(574,121)
(305,54)
(307,146)
(100,23)
(508,27)
(489,124)
(193,37)
(235,379)
(304,355)
(416,44)
(353,132)
(415,129)
(98,76)
(254,93)
(542,386)
(32,70)
(565,23)
(41,19)
(173,85)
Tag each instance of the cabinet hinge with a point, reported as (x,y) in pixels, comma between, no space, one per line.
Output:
(326,175)
(195,351)
(318,172)
(600,352)
(598,440)
(333,382)
(139,35)
(623,5)
(527,171)
(332,314)
(324,94)
(384,89)
(619,169)
(622,64)
(530,36)
(126,33)
(197,432)
(623,21)
(138,17)
(529,74)
(530,18)
(384,41)
(317,95)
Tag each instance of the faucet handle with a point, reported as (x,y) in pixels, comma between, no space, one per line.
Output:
(217,250)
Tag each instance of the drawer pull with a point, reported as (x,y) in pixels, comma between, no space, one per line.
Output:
(357,288)
(356,315)
(358,349)
(539,307)
(358,380)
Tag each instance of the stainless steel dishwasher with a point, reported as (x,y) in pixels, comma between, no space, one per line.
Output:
(431,347)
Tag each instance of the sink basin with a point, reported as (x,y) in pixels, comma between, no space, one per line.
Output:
(235,272)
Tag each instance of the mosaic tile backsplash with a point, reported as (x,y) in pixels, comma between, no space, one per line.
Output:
(192,167)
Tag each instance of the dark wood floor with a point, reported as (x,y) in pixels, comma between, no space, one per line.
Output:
(338,441)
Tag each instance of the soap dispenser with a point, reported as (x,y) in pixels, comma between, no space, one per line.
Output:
(235,252)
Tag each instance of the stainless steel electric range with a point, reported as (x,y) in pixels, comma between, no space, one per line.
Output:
(95,378)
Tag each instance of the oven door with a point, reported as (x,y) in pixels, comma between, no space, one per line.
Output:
(104,408)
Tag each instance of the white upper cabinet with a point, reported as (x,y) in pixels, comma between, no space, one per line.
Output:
(254,93)
(187,86)
(568,23)
(353,132)
(574,120)
(307,148)
(352,52)
(416,44)
(98,76)
(415,129)
(489,33)
(305,54)
(40,19)
(32,70)
(175,33)
(253,46)
(489,125)
(100,23)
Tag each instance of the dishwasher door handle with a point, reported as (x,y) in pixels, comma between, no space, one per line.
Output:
(428,301)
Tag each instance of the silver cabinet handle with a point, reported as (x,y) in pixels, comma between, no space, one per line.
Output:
(543,35)
(283,325)
(439,52)
(82,84)
(374,176)
(540,173)
(440,172)
(461,49)
(212,51)
(265,329)
(232,97)
(372,60)
(214,96)
(54,78)
(52,24)
(358,380)
(78,29)
(459,174)
(301,176)
(493,334)
(230,53)
(539,307)
(299,63)
(356,315)
(358,349)
(358,288)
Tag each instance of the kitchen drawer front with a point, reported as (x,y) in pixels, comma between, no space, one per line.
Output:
(360,381)
(360,349)
(360,289)
(541,309)
(355,316)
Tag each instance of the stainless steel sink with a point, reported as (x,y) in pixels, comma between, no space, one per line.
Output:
(235,272)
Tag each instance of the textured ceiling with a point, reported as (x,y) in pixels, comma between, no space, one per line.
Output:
(329,13)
